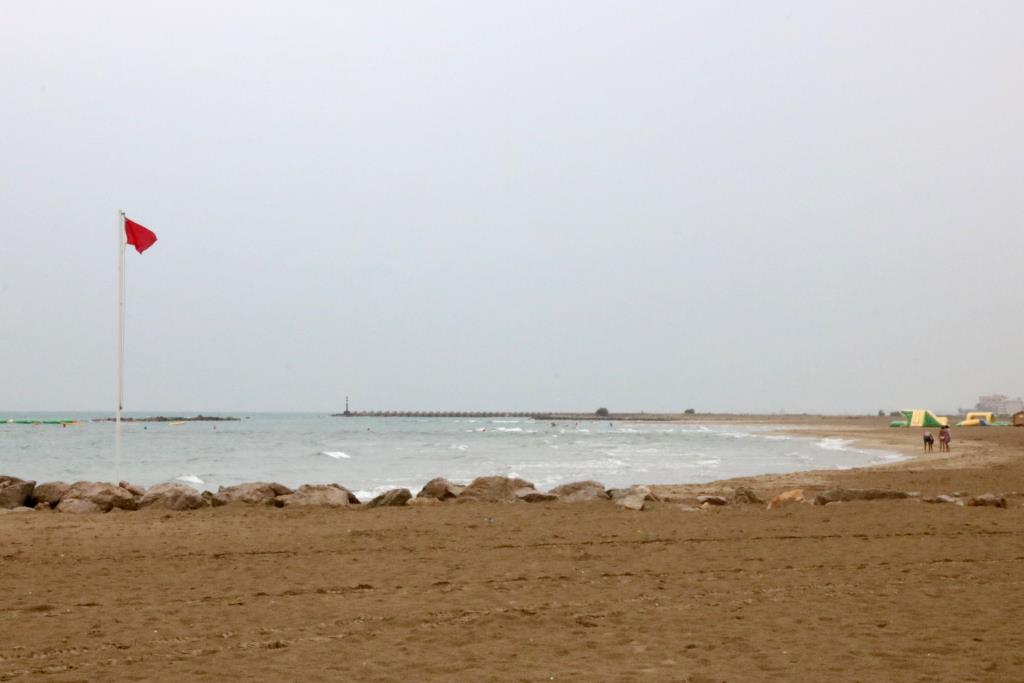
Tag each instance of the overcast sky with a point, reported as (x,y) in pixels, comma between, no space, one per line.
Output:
(730,206)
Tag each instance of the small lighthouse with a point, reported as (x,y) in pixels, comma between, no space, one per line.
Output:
(347,412)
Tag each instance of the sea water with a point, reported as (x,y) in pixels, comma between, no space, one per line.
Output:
(369,455)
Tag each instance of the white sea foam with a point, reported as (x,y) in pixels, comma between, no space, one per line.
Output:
(508,429)
(191,479)
(833,444)
(460,446)
(337,455)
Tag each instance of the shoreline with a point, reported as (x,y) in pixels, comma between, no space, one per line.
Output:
(975,450)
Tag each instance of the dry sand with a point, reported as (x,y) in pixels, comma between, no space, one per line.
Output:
(864,591)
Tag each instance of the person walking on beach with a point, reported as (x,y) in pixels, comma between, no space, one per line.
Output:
(944,439)
(929,442)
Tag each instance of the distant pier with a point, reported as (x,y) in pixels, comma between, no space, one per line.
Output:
(437,413)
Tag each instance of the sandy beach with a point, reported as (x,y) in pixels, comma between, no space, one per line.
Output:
(881,590)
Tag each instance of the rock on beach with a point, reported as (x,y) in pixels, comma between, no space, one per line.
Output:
(987,500)
(318,495)
(95,496)
(251,493)
(14,492)
(173,496)
(495,489)
(787,498)
(840,495)
(579,491)
(392,498)
(48,494)
(441,489)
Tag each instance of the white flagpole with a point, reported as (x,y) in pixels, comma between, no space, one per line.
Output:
(120,344)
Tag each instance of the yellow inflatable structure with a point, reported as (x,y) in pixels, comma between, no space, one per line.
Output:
(977,420)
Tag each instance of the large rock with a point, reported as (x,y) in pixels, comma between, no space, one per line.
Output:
(173,496)
(633,498)
(392,498)
(495,489)
(987,499)
(252,493)
(96,496)
(840,495)
(579,491)
(441,489)
(14,492)
(787,498)
(78,506)
(744,496)
(49,493)
(318,495)
(712,500)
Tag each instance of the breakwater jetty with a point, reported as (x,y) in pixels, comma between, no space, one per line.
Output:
(439,413)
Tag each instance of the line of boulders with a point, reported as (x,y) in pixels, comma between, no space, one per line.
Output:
(92,497)
(841,495)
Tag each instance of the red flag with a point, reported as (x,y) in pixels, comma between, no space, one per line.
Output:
(141,237)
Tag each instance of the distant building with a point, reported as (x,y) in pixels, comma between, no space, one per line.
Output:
(999,404)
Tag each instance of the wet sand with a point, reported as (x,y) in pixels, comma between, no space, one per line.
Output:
(865,591)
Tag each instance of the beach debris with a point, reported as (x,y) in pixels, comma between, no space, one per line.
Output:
(987,500)
(711,500)
(134,488)
(392,498)
(787,498)
(440,489)
(947,498)
(14,492)
(49,493)
(173,496)
(529,495)
(841,495)
(494,489)
(252,493)
(96,496)
(579,491)
(318,495)
(744,496)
